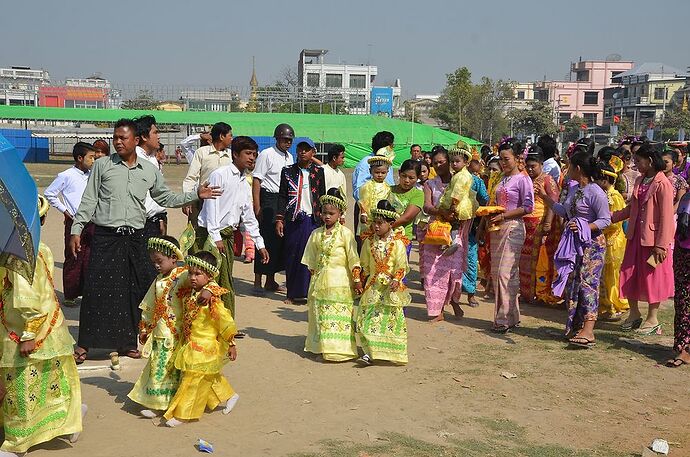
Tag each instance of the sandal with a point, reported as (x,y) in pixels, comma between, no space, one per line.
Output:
(675,363)
(500,329)
(276,288)
(472,302)
(582,342)
(131,353)
(80,356)
(653,330)
(631,325)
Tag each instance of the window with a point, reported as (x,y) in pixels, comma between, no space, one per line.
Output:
(83,104)
(625,92)
(358,101)
(590,119)
(615,73)
(591,98)
(541,95)
(583,75)
(563,117)
(521,95)
(313,79)
(358,81)
(660,93)
(334,80)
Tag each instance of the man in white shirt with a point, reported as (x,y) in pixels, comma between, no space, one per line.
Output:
(149,145)
(265,187)
(549,147)
(205,161)
(335,178)
(220,217)
(189,144)
(64,194)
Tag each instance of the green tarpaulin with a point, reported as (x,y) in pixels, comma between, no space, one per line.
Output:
(354,132)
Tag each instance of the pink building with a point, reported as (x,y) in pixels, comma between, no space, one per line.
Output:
(583,96)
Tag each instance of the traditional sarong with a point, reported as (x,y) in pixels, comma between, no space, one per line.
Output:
(528,258)
(443,274)
(267,228)
(506,244)
(469,276)
(296,234)
(43,401)
(158,382)
(330,330)
(582,290)
(545,276)
(196,393)
(116,281)
(383,332)
(681,299)
(74,270)
(640,281)
(225,263)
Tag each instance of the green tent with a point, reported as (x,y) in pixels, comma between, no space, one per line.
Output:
(353,132)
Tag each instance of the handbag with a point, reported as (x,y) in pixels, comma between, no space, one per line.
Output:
(438,233)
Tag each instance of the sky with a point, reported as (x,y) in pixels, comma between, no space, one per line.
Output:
(211,42)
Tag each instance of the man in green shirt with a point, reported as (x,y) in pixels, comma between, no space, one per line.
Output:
(115,281)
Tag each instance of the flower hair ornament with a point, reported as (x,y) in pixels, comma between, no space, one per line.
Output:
(333,200)
(164,246)
(193,261)
(43,206)
(506,140)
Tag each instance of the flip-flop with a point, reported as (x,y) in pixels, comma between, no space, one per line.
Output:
(583,343)
(653,330)
(472,302)
(500,329)
(240,335)
(675,363)
(631,325)
(80,356)
(131,353)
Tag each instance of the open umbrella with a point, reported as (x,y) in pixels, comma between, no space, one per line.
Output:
(20,225)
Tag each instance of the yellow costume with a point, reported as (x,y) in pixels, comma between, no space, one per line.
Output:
(161,319)
(207,333)
(381,320)
(609,300)
(459,194)
(370,194)
(332,258)
(43,398)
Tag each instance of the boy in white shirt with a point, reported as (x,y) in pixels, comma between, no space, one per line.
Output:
(64,194)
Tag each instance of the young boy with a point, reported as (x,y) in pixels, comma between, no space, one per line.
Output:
(301,186)
(374,190)
(43,394)
(207,336)
(64,194)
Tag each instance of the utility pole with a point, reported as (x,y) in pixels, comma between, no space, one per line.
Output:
(459,115)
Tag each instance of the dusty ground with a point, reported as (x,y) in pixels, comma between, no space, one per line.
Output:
(450,400)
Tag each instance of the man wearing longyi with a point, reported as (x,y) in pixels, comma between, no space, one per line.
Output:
(114,202)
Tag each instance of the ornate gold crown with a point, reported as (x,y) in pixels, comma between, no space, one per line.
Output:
(166,247)
(43,206)
(193,261)
(333,200)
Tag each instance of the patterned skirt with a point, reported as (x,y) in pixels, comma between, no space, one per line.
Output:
(43,401)
(582,289)
(158,383)
(681,300)
(330,329)
(528,258)
(381,323)
(506,244)
(196,393)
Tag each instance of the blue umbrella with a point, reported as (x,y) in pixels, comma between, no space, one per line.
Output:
(20,225)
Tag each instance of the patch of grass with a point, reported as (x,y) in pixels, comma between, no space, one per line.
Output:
(502,438)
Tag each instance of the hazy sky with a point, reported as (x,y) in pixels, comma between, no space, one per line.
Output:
(213,41)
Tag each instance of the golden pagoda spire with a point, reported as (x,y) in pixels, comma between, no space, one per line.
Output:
(685,102)
(254,84)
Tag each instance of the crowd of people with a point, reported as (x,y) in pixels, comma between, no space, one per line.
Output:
(592,232)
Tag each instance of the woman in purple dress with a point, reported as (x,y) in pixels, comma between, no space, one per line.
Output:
(586,212)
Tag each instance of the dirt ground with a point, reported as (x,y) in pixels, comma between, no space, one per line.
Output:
(451,399)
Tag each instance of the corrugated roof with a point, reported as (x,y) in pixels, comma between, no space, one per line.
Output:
(652,68)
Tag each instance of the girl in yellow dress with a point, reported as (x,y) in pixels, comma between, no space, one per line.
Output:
(611,304)
(331,256)
(374,190)
(160,327)
(38,374)
(207,337)
(381,321)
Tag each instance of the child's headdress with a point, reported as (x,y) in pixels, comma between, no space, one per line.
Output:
(385,210)
(43,206)
(461,148)
(167,247)
(333,200)
(210,269)
(381,157)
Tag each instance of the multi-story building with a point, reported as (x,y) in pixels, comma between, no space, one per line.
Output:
(523,95)
(644,93)
(583,96)
(91,92)
(352,83)
(20,85)
(212,99)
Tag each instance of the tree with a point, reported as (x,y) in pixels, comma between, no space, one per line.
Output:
(143,101)
(537,119)
(573,128)
(457,91)
(673,121)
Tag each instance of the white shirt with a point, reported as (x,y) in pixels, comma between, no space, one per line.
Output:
(269,164)
(231,208)
(70,184)
(551,168)
(152,208)
(305,198)
(189,146)
(206,160)
(335,179)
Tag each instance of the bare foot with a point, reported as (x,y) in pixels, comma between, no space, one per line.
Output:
(457,310)
(438,318)
(288,301)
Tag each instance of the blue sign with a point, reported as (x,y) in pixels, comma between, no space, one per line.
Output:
(382,100)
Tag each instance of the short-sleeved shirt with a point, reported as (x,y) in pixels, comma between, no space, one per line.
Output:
(269,165)
(401,201)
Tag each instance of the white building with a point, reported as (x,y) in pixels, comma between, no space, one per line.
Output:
(19,85)
(219,99)
(352,82)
